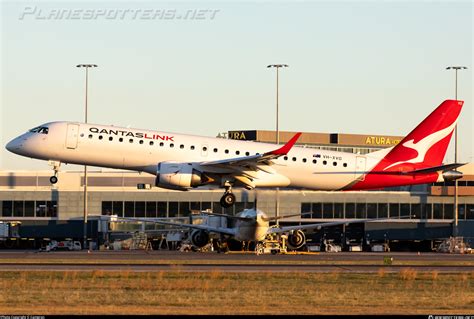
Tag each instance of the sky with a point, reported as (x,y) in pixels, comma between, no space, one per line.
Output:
(368,67)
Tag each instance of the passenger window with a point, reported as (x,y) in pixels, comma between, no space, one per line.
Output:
(334,163)
(111,138)
(285,158)
(237,152)
(204,148)
(82,134)
(247,153)
(162,144)
(304,160)
(215,150)
(120,139)
(181,146)
(131,140)
(325,162)
(141,142)
(315,161)
(226,151)
(294,159)
(100,137)
(151,143)
(345,164)
(171,145)
(192,147)
(90,135)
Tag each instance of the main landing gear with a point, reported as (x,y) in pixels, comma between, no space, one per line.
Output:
(228,199)
(54,179)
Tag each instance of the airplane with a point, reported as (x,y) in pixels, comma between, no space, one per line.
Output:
(183,162)
(251,225)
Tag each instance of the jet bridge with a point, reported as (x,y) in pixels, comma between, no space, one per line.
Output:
(114,228)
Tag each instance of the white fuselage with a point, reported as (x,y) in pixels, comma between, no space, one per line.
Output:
(143,150)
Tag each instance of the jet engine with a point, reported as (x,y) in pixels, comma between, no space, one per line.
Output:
(296,239)
(199,238)
(179,176)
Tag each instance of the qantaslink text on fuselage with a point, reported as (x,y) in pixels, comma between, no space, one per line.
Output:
(131,134)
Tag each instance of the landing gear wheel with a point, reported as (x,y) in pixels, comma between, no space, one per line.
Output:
(55,164)
(227,200)
(53,179)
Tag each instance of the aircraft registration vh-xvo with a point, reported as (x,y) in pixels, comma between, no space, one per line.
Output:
(183,162)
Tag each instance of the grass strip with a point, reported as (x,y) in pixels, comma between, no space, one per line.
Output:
(216,292)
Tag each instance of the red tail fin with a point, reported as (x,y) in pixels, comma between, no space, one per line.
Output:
(426,145)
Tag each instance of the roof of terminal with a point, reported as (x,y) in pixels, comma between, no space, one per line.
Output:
(309,138)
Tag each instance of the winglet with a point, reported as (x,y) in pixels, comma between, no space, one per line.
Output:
(287,147)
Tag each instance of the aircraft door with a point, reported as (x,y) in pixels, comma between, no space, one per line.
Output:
(360,168)
(72,136)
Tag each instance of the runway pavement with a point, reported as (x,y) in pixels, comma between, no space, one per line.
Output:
(351,268)
(354,262)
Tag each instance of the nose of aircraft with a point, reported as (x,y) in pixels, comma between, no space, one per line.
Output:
(13,145)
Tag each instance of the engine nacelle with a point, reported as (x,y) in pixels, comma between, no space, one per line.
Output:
(199,238)
(296,239)
(179,176)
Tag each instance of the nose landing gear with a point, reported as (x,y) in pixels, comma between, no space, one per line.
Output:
(54,179)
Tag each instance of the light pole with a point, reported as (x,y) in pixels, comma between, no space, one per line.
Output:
(277,204)
(456,217)
(86,66)
(277,66)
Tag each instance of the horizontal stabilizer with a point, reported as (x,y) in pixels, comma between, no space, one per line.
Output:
(433,169)
(426,170)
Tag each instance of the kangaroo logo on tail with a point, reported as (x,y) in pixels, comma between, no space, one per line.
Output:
(422,149)
(424,145)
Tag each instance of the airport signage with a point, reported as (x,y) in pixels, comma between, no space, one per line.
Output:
(243,135)
(381,140)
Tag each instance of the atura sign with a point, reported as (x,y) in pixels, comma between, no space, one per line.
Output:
(243,135)
(381,140)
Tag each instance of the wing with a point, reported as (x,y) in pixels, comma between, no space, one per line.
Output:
(256,159)
(321,225)
(243,168)
(219,230)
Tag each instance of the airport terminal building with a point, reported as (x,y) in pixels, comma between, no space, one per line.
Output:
(48,211)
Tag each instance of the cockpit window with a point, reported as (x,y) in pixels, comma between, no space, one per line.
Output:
(40,129)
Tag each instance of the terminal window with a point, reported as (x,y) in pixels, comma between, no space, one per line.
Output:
(165,209)
(385,210)
(29,208)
